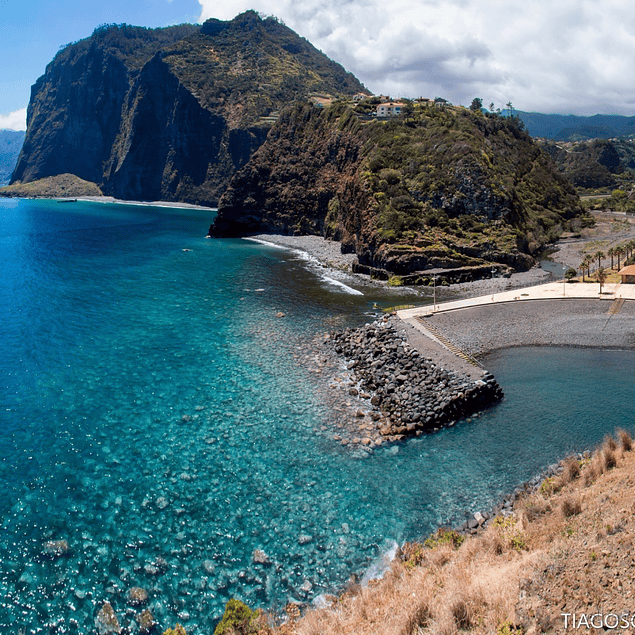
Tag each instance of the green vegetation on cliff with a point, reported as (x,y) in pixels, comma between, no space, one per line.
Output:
(441,187)
(60,186)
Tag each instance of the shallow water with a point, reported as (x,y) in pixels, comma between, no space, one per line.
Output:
(153,414)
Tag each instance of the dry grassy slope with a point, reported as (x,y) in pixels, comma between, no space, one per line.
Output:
(569,549)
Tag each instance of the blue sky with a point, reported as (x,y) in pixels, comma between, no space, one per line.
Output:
(32,31)
(569,56)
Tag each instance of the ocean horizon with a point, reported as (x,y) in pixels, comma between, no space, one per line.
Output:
(160,420)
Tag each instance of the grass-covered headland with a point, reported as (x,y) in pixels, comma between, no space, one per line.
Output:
(436,188)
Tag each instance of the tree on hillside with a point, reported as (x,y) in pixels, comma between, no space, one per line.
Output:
(476,105)
(599,255)
(584,266)
(407,110)
(619,252)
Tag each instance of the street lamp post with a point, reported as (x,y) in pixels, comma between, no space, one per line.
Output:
(564,281)
(434,292)
(493,272)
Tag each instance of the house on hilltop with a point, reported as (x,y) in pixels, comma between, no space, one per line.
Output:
(389,109)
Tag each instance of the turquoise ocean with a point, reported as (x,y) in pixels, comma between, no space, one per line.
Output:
(157,416)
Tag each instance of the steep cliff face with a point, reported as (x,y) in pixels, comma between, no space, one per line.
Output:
(298,179)
(441,189)
(10,146)
(169,113)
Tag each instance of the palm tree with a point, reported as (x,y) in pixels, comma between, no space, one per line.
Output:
(601,277)
(599,255)
(584,266)
(611,254)
(619,252)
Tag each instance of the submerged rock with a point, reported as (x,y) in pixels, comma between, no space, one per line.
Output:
(106,621)
(260,557)
(146,622)
(137,596)
(56,548)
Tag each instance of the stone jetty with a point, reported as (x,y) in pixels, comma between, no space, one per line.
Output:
(405,392)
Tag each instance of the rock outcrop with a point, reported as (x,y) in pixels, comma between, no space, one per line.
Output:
(169,113)
(440,190)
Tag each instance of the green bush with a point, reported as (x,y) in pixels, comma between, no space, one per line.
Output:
(238,619)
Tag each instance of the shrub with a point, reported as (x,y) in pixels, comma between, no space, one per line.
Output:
(571,469)
(508,628)
(395,281)
(610,443)
(571,507)
(444,536)
(609,459)
(625,439)
(510,534)
(420,618)
(461,614)
(412,554)
(238,619)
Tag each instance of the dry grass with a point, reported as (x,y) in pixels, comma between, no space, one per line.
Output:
(625,439)
(571,507)
(571,469)
(477,587)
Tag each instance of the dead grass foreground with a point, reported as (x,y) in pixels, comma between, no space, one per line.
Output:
(568,548)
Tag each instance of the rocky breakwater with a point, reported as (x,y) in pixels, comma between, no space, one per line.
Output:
(406,393)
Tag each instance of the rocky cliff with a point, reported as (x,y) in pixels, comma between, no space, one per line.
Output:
(169,113)
(441,189)
(10,146)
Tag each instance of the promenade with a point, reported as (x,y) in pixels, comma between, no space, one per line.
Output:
(553,314)
(551,291)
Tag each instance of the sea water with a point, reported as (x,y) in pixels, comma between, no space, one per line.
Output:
(158,416)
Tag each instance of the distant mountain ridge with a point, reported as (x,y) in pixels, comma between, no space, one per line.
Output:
(577,128)
(10,146)
(169,114)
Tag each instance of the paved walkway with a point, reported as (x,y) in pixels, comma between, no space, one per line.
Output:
(551,291)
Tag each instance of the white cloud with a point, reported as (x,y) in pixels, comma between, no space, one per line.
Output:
(15,120)
(569,56)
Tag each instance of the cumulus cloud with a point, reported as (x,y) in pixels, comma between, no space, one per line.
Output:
(15,120)
(570,56)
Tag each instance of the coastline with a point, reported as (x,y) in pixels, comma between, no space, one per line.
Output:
(112,199)
(328,254)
